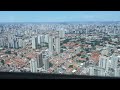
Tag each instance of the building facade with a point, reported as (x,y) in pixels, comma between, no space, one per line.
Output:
(33,65)
(39,60)
(34,42)
(54,45)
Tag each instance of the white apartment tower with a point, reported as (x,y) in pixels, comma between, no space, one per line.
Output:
(114,61)
(15,42)
(91,70)
(10,41)
(57,45)
(39,60)
(41,39)
(46,59)
(61,33)
(34,42)
(24,43)
(46,63)
(104,64)
(54,45)
(20,42)
(46,38)
(117,72)
(50,45)
(33,65)
(2,42)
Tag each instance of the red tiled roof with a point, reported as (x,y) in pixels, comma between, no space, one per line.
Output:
(7,62)
(31,55)
(95,56)
(82,59)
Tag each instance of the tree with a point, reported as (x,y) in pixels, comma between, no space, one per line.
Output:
(3,62)
(87,58)
(79,54)
(87,50)
(82,39)
(50,64)
(116,36)
(22,55)
(105,38)
(83,56)
(8,52)
(63,47)
(39,46)
(15,53)
(61,44)
(70,66)
(61,50)
(66,40)
(46,45)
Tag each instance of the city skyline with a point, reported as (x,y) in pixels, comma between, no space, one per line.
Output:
(80,49)
(58,16)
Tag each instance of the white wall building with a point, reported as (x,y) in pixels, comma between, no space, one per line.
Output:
(2,43)
(57,45)
(50,45)
(46,38)
(10,41)
(46,63)
(34,42)
(39,60)
(24,43)
(114,61)
(91,70)
(45,59)
(41,39)
(54,45)
(20,42)
(61,33)
(33,65)
(104,62)
(104,65)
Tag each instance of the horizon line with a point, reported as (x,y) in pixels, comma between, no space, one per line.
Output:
(59,22)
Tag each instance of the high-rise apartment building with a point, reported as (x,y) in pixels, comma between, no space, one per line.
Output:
(2,42)
(114,61)
(10,41)
(104,62)
(104,65)
(51,45)
(45,59)
(57,44)
(33,65)
(39,60)
(91,70)
(46,38)
(24,43)
(61,33)
(34,42)
(41,39)
(46,63)
(54,45)
(20,42)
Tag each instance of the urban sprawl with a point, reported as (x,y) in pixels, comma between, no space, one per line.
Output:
(61,48)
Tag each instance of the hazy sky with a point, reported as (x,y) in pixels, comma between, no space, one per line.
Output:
(58,16)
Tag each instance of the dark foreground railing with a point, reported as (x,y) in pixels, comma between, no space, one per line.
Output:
(11,75)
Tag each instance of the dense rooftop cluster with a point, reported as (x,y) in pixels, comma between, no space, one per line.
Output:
(82,49)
